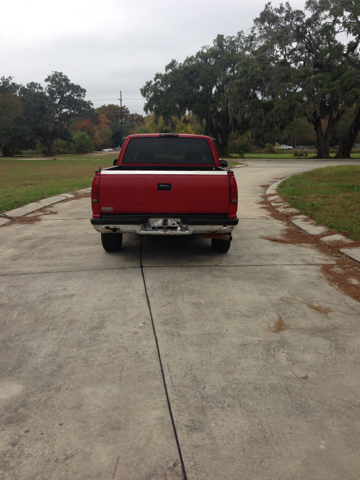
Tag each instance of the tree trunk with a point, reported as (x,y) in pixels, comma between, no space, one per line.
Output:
(322,149)
(226,130)
(6,151)
(346,144)
(323,139)
(50,148)
(213,133)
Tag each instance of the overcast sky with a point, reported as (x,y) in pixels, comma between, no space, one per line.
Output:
(112,45)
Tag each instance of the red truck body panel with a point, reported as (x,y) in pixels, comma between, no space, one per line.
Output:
(140,192)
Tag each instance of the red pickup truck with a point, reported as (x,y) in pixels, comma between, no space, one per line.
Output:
(165,184)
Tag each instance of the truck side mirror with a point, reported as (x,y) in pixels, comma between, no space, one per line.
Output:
(223,163)
(115,162)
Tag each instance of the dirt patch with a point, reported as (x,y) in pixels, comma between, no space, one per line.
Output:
(278,326)
(25,220)
(77,196)
(344,273)
(317,308)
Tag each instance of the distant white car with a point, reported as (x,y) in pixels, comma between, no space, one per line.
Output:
(285,147)
(107,150)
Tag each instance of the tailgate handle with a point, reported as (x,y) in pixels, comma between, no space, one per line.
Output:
(164,186)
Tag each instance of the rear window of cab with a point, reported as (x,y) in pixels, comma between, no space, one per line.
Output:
(168,150)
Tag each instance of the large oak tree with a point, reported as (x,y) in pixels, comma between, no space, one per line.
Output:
(198,86)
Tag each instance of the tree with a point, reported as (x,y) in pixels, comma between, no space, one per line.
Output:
(346,13)
(187,124)
(130,122)
(299,132)
(253,95)
(309,69)
(50,112)
(83,125)
(198,86)
(102,133)
(10,110)
(112,112)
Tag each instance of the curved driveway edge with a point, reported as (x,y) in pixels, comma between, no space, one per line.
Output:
(45,202)
(307,224)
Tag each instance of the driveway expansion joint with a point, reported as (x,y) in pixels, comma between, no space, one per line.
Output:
(161,367)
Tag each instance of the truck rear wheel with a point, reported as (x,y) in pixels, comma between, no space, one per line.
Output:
(111,242)
(219,245)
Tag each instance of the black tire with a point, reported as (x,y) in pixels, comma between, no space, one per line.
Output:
(111,242)
(219,245)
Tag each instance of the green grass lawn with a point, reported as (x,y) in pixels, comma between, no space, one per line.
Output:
(331,196)
(25,181)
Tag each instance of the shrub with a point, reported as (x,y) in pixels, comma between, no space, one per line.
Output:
(61,146)
(269,148)
(82,143)
(300,153)
(240,144)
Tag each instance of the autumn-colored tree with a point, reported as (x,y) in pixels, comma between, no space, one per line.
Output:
(102,133)
(83,125)
(112,112)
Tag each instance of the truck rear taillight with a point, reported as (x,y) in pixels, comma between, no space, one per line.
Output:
(233,195)
(95,194)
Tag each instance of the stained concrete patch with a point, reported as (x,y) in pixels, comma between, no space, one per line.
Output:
(353,253)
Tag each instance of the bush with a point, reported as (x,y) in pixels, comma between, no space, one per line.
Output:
(61,146)
(269,148)
(240,144)
(300,153)
(82,143)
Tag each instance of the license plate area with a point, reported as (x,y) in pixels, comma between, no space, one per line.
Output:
(165,226)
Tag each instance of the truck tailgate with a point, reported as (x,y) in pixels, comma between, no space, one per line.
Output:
(171,192)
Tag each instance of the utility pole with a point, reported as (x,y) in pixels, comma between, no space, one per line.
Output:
(120,118)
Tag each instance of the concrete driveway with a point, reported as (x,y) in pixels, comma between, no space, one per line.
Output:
(168,361)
